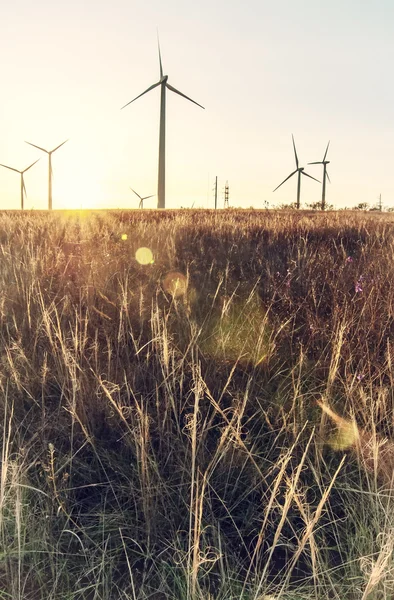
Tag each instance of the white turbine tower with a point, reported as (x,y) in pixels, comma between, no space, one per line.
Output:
(163,83)
(323,162)
(141,204)
(49,152)
(23,187)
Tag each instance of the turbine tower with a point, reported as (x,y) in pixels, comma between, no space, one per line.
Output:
(323,162)
(163,83)
(300,171)
(23,188)
(141,204)
(49,152)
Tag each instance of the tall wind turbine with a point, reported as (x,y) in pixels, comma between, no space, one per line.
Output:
(163,83)
(49,152)
(300,171)
(323,162)
(141,204)
(23,188)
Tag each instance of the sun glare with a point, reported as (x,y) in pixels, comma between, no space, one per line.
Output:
(77,193)
(144,256)
(175,283)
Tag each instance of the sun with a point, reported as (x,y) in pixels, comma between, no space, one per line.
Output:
(77,193)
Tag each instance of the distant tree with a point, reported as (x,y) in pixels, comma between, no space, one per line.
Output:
(291,206)
(361,206)
(317,206)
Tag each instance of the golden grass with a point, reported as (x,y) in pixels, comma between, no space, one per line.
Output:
(160,433)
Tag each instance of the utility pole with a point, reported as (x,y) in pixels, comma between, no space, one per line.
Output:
(380,202)
(226,195)
(216,192)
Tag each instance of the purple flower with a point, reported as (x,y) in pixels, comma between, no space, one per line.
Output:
(349,259)
(357,287)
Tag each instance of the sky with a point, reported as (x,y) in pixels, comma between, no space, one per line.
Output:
(263,70)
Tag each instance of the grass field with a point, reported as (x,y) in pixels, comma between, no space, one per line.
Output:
(166,388)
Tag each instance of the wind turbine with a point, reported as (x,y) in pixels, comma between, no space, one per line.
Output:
(323,162)
(49,152)
(141,204)
(23,188)
(300,171)
(163,83)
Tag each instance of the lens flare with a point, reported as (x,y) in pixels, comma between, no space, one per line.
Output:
(347,434)
(144,256)
(175,283)
(238,332)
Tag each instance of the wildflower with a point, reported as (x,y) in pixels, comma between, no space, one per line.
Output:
(358,287)
(349,259)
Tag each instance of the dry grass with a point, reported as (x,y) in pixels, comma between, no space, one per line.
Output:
(160,430)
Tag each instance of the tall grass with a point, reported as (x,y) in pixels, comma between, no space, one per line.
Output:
(215,424)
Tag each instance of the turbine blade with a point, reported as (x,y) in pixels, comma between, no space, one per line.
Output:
(303,172)
(328,177)
(23,185)
(161,66)
(325,154)
(146,197)
(39,147)
(295,151)
(319,162)
(291,175)
(57,147)
(183,95)
(11,168)
(136,193)
(146,91)
(27,168)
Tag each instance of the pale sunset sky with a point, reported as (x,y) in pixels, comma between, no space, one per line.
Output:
(262,69)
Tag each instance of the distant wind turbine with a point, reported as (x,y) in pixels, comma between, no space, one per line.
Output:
(300,171)
(141,204)
(23,188)
(163,83)
(49,152)
(323,162)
